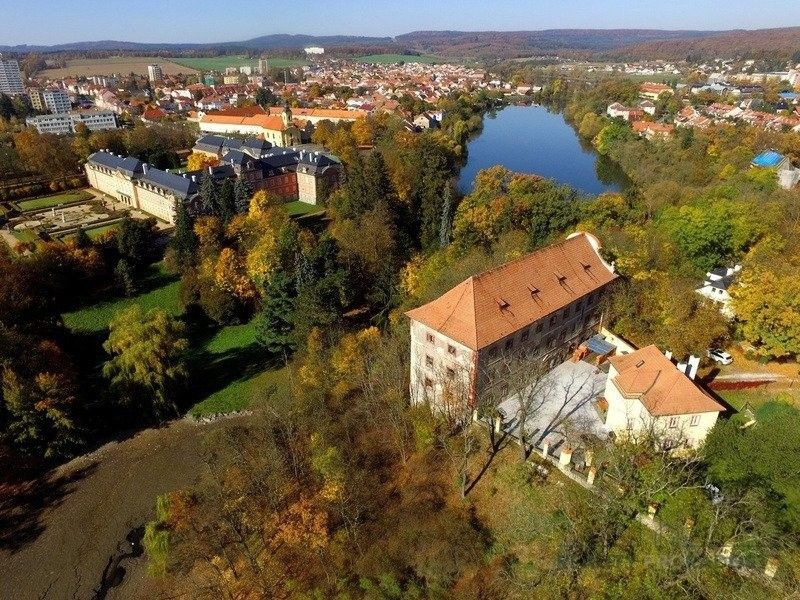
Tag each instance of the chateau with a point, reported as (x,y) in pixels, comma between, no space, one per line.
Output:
(289,173)
(542,305)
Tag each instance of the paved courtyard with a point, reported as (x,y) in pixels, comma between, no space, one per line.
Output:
(559,405)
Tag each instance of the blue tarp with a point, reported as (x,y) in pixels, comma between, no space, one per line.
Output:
(599,345)
(770,158)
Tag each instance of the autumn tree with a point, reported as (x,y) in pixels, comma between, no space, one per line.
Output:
(147,367)
(200,161)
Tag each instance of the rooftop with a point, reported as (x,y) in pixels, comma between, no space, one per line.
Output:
(496,303)
(650,377)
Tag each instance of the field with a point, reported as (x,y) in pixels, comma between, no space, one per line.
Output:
(122,65)
(54,200)
(160,290)
(298,208)
(233,367)
(219,63)
(427,59)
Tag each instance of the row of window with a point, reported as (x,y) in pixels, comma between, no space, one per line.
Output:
(672,423)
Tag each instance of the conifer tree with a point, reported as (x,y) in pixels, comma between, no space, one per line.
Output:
(242,194)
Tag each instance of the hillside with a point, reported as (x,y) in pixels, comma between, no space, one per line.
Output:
(760,43)
(510,44)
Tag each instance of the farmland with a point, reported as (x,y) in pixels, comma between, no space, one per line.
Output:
(219,63)
(122,65)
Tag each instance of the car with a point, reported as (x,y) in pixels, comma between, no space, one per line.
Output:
(719,356)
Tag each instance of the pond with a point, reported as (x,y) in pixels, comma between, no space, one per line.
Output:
(531,139)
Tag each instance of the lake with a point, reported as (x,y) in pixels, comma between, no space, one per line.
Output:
(529,139)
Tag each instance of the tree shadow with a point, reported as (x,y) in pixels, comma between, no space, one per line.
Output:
(23,504)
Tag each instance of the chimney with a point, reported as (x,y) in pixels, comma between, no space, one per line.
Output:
(144,167)
(194,178)
(694,363)
(210,170)
(565,458)
(668,354)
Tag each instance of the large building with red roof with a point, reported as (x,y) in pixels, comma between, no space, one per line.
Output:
(542,305)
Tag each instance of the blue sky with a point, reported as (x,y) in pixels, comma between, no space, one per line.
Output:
(58,21)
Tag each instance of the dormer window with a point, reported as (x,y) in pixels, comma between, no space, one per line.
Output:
(503,304)
(561,278)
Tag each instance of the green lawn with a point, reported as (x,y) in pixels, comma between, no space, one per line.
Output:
(428,59)
(235,371)
(763,400)
(220,63)
(298,208)
(95,232)
(161,290)
(25,235)
(54,200)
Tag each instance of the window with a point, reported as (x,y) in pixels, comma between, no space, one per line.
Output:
(524,336)
(428,382)
(429,338)
(451,349)
(694,421)
(673,422)
(428,361)
(451,373)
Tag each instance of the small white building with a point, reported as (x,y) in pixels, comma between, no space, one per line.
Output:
(647,394)
(716,284)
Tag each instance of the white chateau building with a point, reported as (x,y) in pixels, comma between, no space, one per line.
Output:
(543,305)
(647,394)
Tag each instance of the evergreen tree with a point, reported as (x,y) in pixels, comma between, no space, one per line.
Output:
(135,241)
(227,201)
(209,195)
(184,240)
(124,276)
(447,217)
(242,194)
(275,329)
(81,239)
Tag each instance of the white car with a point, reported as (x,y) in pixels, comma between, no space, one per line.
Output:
(719,356)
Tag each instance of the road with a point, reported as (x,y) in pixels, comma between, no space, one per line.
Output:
(64,535)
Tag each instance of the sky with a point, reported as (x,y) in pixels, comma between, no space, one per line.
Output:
(60,21)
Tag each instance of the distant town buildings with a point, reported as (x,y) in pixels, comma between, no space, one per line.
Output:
(36,98)
(154,73)
(10,77)
(56,101)
(263,66)
(278,129)
(314,50)
(63,123)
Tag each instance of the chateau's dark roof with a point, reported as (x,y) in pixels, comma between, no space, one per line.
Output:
(210,143)
(127,164)
(182,187)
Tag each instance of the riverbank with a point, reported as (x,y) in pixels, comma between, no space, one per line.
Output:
(64,533)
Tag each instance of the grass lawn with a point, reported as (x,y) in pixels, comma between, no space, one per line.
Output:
(428,59)
(236,372)
(25,235)
(96,232)
(762,399)
(220,63)
(54,200)
(298,208)
(160,290)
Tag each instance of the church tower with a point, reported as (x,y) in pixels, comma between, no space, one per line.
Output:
(287,115)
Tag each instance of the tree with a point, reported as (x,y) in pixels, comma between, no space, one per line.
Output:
(125,277)
(275,331)
(766,302)
(446,228)
(265,98)
(135,241)
(242,194)
(209,195)
(184,241)
(147,367)
(227,201)
(199,161)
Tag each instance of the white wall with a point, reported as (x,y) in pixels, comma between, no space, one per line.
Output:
(629,417)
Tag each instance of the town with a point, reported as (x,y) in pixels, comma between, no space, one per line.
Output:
(442,315)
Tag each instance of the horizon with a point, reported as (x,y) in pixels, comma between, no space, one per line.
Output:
(41,23)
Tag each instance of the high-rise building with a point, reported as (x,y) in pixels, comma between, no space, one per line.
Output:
(154,73)
(37,100)
(263,66)
(10,77)
(56,101)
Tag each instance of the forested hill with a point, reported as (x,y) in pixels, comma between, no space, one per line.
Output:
(781,43)
(521,43)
